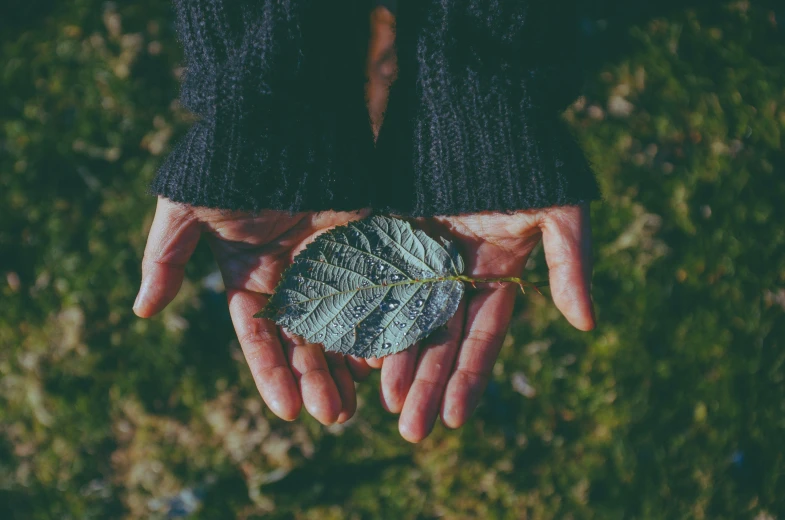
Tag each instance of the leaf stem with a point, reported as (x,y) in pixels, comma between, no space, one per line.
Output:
(504,279)
(459,278)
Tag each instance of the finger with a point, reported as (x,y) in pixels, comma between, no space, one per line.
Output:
(375,362)
(171,242)
(433,370)
(566,238)
(264,353)
(345,384)
(397,376)
(318,389)
(487,317)
(359,368)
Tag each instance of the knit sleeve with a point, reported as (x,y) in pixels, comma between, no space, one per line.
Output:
(278,90)
(472,122)
(473,119)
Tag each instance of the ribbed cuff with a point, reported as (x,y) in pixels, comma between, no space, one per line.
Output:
(474,125)
(472,122)
(279,89)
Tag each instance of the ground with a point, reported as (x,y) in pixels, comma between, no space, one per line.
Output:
(674,407)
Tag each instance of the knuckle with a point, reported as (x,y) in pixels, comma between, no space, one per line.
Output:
(473,378)
(257,337)
(261,373)
(483,339)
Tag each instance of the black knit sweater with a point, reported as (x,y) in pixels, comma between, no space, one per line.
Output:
(472,122)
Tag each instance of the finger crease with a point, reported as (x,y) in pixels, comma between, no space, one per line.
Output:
(257,338)
(260,373)
(480,376)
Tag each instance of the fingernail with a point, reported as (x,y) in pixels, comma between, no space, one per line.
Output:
(140,296)
(451,418)
(455,412)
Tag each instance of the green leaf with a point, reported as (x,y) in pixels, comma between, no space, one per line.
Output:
(371,288)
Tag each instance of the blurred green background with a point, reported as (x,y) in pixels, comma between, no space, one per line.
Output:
(673,408)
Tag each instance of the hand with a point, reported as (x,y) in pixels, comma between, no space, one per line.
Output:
(252,252)
(449,371)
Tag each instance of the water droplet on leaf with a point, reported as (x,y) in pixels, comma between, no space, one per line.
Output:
(389,305)
(321,300)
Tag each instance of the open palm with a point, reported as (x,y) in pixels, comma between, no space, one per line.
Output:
(448,373)
(252,251)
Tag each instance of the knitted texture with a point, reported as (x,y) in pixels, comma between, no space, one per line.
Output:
(472,122)
(279,89)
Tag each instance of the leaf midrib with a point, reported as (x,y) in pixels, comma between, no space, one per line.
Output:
(369,287)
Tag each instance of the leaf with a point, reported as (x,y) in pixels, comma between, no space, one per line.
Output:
(371,288)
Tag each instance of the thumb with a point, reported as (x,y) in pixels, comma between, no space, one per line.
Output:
(566,238)
(171,242)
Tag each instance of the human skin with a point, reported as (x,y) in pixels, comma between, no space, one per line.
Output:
(252,251)
(448,373)
(443,376)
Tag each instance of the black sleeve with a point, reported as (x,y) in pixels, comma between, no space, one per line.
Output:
(472,122)
(278,86)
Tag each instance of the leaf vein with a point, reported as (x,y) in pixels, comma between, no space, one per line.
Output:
(400,247)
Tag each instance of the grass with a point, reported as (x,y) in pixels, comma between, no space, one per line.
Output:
(673,408)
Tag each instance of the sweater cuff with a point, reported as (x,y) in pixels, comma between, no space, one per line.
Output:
(473,119)
(280,98)
(277,157)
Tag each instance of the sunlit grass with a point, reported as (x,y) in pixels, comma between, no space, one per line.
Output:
(672,408)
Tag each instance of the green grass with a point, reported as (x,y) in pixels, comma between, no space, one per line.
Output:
(673,408)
